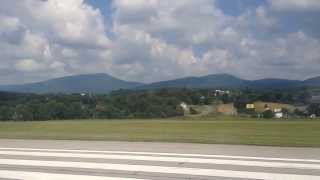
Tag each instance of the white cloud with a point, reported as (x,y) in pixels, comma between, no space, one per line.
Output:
(53,36)
(295,5)
(152,40)
(195,38)
(8,24)
(69,21)
(28,65)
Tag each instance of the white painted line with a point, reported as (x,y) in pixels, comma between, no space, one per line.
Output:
(22,175)
(167,159)
(160,169)
(167,154)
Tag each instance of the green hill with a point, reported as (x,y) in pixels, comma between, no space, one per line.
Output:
(93,83)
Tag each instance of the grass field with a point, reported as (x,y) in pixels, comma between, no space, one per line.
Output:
(205,130)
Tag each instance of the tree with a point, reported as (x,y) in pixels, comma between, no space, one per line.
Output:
(286,112)
(74,110)
(299,113)
(193,111)
(314,109)
(23,113)
(56,110)
(226,99)
(6,113)
(268,114)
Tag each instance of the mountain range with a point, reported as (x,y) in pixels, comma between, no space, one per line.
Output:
(104,83)
(95,83)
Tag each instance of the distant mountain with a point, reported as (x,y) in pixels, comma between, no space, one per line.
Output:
(94,83)
(228,81)
(210,81)
(312,81)
(274,83)
(104,83)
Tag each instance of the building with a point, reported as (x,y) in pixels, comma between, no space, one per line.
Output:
(278,115)
(277,110)
(313,116)
(250,106)
(184,106)
(219,92)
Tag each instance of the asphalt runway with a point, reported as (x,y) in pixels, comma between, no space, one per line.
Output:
(99,160)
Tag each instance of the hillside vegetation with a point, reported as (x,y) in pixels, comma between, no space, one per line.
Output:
(163,103)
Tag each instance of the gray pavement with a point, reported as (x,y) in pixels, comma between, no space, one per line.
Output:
(51,159)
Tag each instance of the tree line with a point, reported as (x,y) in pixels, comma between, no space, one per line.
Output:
(161,103)
(119,104)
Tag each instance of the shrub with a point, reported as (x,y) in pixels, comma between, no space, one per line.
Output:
(193,111)
(268,114)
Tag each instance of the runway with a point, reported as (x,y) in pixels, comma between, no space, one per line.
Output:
(94,160)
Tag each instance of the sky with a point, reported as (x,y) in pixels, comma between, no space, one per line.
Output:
(154,40)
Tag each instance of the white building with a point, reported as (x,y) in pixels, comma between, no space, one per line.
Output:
(184,106)
(219,92)
(277,110)
(279,115)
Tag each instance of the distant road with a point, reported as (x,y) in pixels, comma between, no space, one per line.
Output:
(98,160)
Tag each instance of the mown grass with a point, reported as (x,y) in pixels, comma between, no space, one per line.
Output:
(219,130)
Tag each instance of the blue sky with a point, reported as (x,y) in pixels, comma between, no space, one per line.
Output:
(231,7)
(105,7)
(236,7)
(153,40)
(290,21)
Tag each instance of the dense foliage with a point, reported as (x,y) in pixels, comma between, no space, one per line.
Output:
(132,104)
(118,104)
(314,109)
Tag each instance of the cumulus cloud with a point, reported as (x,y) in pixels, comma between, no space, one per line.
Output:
(154,40)
(210,41)
(53,36)
(28,65)
(295,5)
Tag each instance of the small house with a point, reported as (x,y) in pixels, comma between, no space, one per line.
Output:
(184,106)
(277,110)
(219,92)
(278,115)
(312,116)
(250,106)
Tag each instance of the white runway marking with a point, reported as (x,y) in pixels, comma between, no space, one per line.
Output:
(168,159)
(48,176)
(166,154)
(160,169)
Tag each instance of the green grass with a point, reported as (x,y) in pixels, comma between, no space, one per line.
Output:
(225,130)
